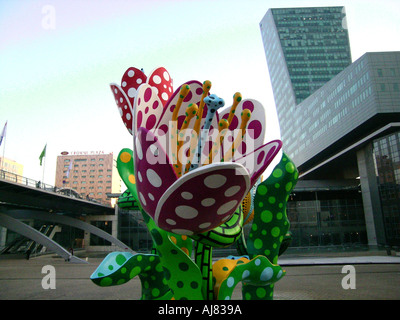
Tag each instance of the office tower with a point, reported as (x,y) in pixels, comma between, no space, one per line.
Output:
(340,125)
(313,43)
(305,48)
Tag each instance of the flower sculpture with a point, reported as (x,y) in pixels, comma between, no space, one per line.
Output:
(204,196)
(192,164)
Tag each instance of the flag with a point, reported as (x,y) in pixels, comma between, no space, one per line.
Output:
(43,154)
(3,134)
(69,168)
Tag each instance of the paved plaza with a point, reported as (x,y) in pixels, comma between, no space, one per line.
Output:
(377,277)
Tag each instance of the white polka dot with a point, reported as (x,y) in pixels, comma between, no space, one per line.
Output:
(182,231)
(142,198)
(230,282)
(140,177)
(151,197)
(165,86)
(207,202)
(267,274)
(125,107)
(154,150)
(225,218)
(124,84)
(205,225)
(225,208)
(280,273)
(257,262)
(131,73)
(121,100)
(139,151)
(227,298)
(232,191)
(186,212)
(215,181)
(164,96)
(170,222)
(128,116)
(115,90)
(120,112)
(187,195)
(153,178)
(166,75)
(132,92)
(139,81)
(157,79)
(245,274)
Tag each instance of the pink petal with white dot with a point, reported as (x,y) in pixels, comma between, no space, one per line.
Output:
(255,131)
(124,106)
(155,174)
(161,80)
(257,161)
(148,107)
(131,80)
(203,198)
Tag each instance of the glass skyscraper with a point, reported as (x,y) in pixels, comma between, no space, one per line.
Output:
(312,42)
(340,124)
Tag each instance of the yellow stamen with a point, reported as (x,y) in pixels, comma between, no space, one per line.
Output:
(237,97)
(182,95)
(174,131)
(246,115)
(223,128)
(191,111)
(196,128)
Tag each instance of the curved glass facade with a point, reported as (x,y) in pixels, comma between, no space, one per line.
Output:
(387,164)
(327,218)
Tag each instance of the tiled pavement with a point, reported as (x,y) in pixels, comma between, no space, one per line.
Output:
(308,277)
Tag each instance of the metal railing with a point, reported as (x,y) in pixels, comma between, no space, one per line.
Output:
(15,178)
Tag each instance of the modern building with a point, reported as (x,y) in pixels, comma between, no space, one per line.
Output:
(91,174)
(11,166)
(342,135)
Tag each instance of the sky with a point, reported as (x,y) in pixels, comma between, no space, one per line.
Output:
(57,59)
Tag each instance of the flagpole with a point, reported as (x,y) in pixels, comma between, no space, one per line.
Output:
(43,155)
(44,165)
(4,150)
(4,147)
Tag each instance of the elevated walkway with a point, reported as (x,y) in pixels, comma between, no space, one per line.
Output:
(24,199)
